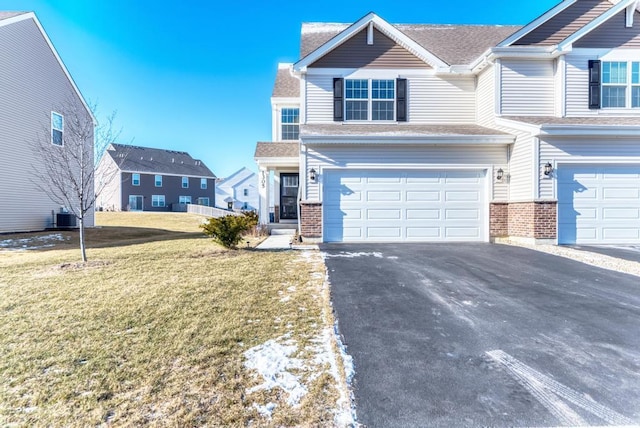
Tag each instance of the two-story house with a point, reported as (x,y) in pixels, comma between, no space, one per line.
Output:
(137,178)
(36,91)
(461,133)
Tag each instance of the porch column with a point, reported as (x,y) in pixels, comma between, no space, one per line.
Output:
(263,190)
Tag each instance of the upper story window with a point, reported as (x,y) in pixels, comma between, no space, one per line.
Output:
(57,128)
(245,192)
(290,118)
(370,99)
(620,84)
(203,183)
(185,182)
(158,181)
(135,179)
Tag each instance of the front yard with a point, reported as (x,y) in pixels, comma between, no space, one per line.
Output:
(164,327)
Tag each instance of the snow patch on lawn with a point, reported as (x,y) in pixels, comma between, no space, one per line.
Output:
(35,243)
(273,361)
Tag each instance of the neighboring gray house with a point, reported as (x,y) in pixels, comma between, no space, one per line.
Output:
(34,87)
(240,189)
(148,179)
(420,132)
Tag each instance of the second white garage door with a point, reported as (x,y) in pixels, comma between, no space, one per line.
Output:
(396,206)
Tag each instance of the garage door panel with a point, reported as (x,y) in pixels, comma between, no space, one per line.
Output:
(384,214)
(405,205)
(375,196)
(599,204)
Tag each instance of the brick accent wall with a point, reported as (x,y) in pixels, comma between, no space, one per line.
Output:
(536,219)
(498,219)
(311,219)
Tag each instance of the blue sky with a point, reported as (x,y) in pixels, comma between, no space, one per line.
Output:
(197,75)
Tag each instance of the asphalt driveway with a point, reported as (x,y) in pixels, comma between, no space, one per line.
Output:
(486,335)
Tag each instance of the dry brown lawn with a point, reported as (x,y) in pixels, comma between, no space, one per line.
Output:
(153,329)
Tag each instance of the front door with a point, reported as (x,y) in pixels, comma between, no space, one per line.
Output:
(288,196)
(135,203)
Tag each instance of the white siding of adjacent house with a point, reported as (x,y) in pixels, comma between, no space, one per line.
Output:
(109,184)
(32,84)
(390,156)
(431,99)
(527,88)
(592,151)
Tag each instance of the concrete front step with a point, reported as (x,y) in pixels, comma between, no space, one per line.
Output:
(282,232)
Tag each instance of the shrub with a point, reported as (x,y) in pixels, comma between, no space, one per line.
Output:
(228,230)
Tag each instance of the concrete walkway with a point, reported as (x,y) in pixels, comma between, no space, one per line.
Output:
(282,242)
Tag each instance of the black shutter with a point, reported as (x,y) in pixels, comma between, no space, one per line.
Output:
(401,100)
(338,115)
(594,84)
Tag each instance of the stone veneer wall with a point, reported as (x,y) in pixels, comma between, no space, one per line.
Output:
(311,219)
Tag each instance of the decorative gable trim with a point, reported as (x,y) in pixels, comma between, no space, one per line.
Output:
(536,23)
(31,15)
(370,21)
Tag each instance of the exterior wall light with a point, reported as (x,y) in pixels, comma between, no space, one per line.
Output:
(499,174)
(548,169)
(312,174)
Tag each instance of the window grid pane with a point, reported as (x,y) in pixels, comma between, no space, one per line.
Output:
(635,72)
(357,89)
(290,132)
(613,96)
(382,90)
(382,110)
(290,115)
(357,110)
(635,96)
(614,72)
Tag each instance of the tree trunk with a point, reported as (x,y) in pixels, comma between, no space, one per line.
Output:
(83,250)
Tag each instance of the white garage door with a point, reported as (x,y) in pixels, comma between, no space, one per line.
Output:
(599,205)
(377,205)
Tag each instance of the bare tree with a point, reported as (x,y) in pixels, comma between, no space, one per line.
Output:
(67,163)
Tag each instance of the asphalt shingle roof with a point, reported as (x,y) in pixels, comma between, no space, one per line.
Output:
(286,85)
(453,44)
(7,14)
(277,150)
(400,130)
(578,121)
(151,160)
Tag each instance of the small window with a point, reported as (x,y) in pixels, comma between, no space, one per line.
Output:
(620,84)
(245,206)
(290,123)
(57,129)
(158,181)
(157,201)
(203,201)
(135,179)
(185,199)
(245,192)
(185,182)
(203,183)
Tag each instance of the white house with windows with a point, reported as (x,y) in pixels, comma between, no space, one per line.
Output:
(239,191)
(461,132)
(35,88)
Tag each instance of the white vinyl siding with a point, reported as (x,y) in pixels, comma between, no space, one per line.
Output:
(598,152)
(485,97)
(404,157)
(319,99)
(528,88)
(32,83)
(436,100)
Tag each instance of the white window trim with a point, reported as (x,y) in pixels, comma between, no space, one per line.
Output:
(629,57)
(203,183)
(370,99)
(155,180)
(201,198)
(133,181)
(156,199)
(183,198)
(183,182)
(282,123)
(55,129)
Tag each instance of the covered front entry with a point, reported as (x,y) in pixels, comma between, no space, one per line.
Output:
(404,205)
(599,204)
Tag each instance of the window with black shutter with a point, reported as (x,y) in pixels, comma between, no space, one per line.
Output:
(594,84)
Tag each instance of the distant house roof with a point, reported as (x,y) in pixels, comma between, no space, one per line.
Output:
(453,44)
(277,150)
(159,161)
(286,84)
